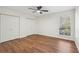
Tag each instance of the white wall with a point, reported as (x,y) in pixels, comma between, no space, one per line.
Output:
(5,10)
(77,27)
(49,24)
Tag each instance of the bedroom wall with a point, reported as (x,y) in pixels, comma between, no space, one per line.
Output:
(77,27)
(49,24)
(27,24)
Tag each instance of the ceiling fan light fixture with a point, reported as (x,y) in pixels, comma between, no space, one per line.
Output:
(38,11)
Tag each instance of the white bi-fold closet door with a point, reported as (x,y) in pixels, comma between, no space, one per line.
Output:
(9,27)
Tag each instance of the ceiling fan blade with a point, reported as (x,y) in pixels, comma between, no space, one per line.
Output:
(45,10)
(32,9)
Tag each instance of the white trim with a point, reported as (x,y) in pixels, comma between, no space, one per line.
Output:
(77,44)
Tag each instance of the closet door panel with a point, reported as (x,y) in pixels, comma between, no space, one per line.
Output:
(26,27)
(9,27)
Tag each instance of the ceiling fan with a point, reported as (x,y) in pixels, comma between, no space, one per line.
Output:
(38,9)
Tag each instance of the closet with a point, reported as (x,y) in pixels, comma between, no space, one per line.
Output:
(9,27)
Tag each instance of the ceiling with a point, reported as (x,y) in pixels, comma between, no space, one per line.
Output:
(51,9)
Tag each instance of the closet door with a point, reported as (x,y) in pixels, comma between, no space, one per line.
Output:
(27,27)
(9,27)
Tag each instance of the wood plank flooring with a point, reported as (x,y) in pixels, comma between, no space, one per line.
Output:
(38,44)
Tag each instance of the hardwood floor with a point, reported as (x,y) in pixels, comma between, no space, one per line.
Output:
(38,44)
